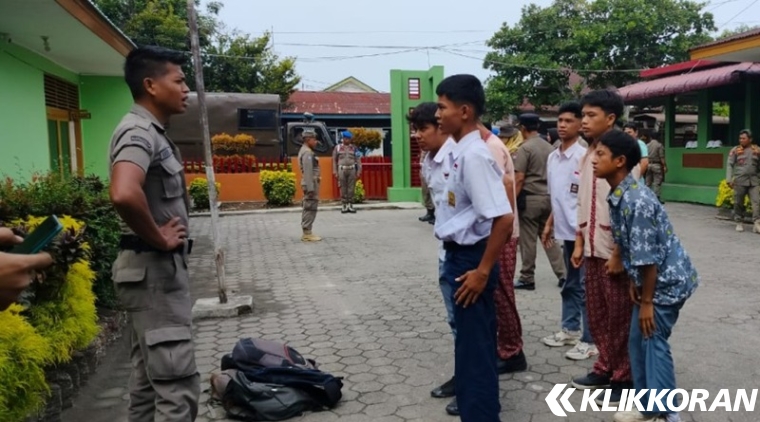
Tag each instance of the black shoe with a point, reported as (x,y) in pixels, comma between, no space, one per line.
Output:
(431,221)
(561,282)
(516,363)
(615,392)
(592,381)
(427,217)
(444,390)
(452,408)
(522,285)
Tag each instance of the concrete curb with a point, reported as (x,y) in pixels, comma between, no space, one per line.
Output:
(359,207)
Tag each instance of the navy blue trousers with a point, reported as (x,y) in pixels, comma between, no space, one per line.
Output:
(477,382)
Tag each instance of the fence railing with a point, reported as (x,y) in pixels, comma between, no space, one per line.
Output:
(238,164)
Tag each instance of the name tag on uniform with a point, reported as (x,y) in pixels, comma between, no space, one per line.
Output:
(573,188)
(452,199)
(165,153)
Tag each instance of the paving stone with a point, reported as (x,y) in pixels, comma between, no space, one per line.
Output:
(380,322)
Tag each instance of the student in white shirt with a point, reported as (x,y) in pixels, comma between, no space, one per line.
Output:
(564,182)
(474,222)
(436,145)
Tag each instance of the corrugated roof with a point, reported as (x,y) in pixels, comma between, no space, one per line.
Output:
(687,82)
(318,102)
(735,37)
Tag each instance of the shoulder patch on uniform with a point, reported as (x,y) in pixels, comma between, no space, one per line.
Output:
(142,141)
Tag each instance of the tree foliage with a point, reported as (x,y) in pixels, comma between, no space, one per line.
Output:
(232,61)
(534,59)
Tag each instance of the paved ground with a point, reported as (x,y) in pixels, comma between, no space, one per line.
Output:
(364,303)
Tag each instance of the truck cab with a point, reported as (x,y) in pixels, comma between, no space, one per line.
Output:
(293,137)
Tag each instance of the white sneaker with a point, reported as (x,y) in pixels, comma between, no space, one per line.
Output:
(636,416)
(562,338)
(740,227)
(756,227)
(582,351)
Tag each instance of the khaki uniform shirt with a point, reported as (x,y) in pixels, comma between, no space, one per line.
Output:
(141,139)
(531,160)
(656,153)
(346,155)
(744,165)
(309,169)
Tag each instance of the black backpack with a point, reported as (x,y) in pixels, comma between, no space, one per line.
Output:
(270,381)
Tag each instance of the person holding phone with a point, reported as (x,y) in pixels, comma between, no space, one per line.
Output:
(17,270)
(150,273)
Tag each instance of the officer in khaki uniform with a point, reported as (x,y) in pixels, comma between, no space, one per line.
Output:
(150,272)
(310,179)
(533,202)
(347,167)
(743,175)
(427,196)
(657,168)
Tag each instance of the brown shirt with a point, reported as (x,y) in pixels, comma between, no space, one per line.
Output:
(656,153)
(531,160)
(140,139)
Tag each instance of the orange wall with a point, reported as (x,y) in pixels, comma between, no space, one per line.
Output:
(241,187)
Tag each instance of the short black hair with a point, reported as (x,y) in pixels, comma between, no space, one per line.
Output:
(609,101)
(553,133)
(573,107)
(148,62)
(423,115)
(621,143)
(631,125)
(464,89)
(746,132)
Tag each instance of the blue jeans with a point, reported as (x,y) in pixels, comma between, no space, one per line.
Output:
(448,294)
(574,296)
(651,362)
(477,383)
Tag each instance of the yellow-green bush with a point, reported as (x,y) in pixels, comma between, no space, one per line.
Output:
(198,190)
(58,317)
(725,198)
(279,186)
(359,193)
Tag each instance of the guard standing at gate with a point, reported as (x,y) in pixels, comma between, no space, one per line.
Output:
(150,272)
(347,168)
(310,179)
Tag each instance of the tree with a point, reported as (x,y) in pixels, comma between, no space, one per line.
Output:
(236,62)
(737,30)
(232,61)
(536,57)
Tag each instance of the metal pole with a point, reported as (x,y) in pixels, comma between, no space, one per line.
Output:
(192,19)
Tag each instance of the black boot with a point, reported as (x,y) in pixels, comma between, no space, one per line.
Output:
(430,216)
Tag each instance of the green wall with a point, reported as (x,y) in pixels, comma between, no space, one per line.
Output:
(107,98)
(402,190)
(24,136)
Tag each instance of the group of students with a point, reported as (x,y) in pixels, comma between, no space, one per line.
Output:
(631,267)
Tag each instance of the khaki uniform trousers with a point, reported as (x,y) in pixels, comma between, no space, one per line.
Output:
(310,205)
(347,183)
(532,222)
(741,192)
(154,289)
(654,178)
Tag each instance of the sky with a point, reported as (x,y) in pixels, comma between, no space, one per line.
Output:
(335,39)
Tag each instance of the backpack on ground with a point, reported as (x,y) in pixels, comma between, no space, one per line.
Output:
(270,381)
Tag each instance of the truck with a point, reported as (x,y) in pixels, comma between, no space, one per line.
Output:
(258,115)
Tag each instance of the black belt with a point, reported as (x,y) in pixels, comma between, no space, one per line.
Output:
(133,243)
(454,246)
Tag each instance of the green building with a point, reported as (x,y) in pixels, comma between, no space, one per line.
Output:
(705,102)
(62,87)
(408,89)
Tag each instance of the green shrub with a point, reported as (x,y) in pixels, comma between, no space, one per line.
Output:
(57,318)
(82,198)
(359,193)
(279,187)
(198,190)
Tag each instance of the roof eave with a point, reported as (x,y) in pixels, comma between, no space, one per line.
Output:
(96,21)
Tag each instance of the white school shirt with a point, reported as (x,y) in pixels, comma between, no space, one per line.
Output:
(563,181)
(474,193)
(435,171)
